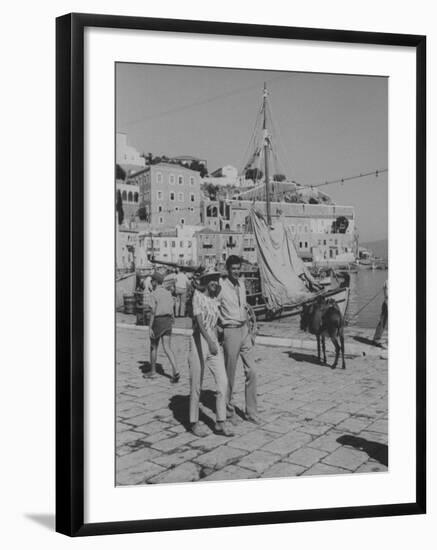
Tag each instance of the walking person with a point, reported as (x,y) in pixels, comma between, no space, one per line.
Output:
(383,319)
(206,351)
(237,341)
(181,288)
(161,323)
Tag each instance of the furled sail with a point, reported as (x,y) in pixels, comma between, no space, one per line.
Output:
(284,278)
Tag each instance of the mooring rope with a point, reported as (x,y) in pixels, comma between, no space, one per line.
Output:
(364,306)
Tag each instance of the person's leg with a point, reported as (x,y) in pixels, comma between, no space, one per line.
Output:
(153,356)
(231,348)
(246,353)
(216,365)
(196,366)
(166,344)
(381,324)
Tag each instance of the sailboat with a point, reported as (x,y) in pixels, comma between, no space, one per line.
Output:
(285,284)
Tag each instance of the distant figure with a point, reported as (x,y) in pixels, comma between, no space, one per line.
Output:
(148,284)
(181,288)
(147,290)
(161,323)
(383,319)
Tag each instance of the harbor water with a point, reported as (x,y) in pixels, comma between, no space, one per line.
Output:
(364,285)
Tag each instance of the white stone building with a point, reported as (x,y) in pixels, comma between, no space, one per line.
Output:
(178,246)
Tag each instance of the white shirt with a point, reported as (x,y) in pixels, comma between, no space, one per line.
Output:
(232,303)
(207,307)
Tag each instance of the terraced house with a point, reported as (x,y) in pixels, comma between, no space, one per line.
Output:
(169,194)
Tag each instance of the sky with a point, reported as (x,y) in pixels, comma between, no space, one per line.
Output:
(327,126)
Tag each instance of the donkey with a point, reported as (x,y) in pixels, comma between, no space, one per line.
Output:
(323,318)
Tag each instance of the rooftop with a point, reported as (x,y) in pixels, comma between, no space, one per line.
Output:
(210,231)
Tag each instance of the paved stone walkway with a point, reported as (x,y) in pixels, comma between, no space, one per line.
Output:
(314,420)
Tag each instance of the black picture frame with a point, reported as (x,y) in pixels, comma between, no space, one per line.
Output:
(70,273)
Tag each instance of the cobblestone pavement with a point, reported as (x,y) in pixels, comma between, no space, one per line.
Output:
(314,420)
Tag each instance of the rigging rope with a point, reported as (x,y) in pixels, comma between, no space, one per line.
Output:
(349,318)
(344,180)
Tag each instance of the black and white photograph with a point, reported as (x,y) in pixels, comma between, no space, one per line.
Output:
(216,275)
(251,274)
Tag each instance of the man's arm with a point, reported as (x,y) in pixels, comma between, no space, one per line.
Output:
(242,290)
(213,349)
(197,313)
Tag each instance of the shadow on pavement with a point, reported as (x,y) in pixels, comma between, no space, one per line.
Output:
(363,340)
(180,406)
(306,358)
(144,367)
(208,399)
(375,450)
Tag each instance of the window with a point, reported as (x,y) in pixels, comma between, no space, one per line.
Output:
(182,221)
(130,196)
(180,197)
(165,244)
(300,244)
(172,195)
(161,220)
(173,244)
(306,244)
(191,209)
(192,197)
(159,208)
(158,178)
(135,197)
(324,242)
(181,244)
(171,179)
(124,195)
(159,195)
(180,180)
(190,244)
(177,208)
(191,180)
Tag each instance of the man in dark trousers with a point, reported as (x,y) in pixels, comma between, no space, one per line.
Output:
(382,319)
(237,341)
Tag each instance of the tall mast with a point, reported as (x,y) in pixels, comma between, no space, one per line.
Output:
(266,156)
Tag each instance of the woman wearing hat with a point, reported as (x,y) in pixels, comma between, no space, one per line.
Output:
(205,350)
(161,323)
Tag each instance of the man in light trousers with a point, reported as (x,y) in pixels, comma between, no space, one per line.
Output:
(237,341)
